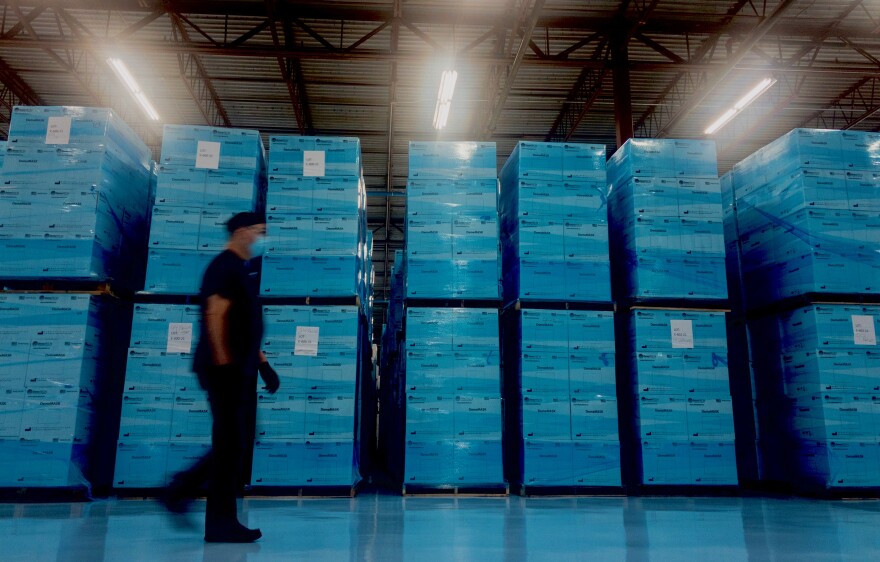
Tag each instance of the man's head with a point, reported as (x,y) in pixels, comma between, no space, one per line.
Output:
(247,233)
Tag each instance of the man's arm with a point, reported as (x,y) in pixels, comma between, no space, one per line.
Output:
(217,327)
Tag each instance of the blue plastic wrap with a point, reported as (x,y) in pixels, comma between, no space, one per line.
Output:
(554,224)
(334,276)
(452,160)
(185,146)
(815,393)
(450,402)
(226,189)
(305,463)
(666,330)
(316,220)
(666,214)
(670,462)
(830,370)
(56,363)
(837,464)
(74,207)
(29,125)
(314,156)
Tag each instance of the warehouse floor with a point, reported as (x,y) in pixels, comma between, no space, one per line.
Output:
(384,527)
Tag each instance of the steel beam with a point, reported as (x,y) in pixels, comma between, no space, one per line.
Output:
(658,48)
(140,24)
(194,75)
(314,34)
(205,49)
(253,32)
(20,26)
(623,124)
(591,82)
(87,68)
(17,86)
(579,17)
(650,118)
(499,96)
(707,87)
(291,72)
(367,37)
(579,45)
(851,108)
(13,91)
(294,69)
(765,119)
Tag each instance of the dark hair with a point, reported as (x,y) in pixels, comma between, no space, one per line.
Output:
(242,220)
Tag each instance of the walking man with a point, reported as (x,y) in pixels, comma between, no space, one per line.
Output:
(227,361)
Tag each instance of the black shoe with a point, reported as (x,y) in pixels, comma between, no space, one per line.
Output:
(239,534)
(174,500)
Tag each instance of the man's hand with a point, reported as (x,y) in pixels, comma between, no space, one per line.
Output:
(270,377)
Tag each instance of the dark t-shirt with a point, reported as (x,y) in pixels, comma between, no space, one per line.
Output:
(237,280)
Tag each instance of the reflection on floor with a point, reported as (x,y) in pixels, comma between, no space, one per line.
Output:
(382,528)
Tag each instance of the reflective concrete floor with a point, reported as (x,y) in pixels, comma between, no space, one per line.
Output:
(385,528)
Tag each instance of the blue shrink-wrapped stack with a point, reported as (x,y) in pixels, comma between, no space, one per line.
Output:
(307,432)
(668,250)
(165,419)
(562,416)
(803,221)
(58,389)
(807,215)
(441,411)
(554,223)
(452,221)
(205,175)
(667,236)
(559,380)
(74,196)
(680,396)
(451,398)
(316,218)
(817,395)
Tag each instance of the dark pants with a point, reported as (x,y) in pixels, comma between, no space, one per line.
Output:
(226,468)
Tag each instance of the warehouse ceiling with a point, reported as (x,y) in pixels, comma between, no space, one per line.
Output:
(593,71)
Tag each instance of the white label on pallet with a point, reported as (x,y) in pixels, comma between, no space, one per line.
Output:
(58,131)
(306,341)
(208,155)
(863,330)
(180,335)
(313,163)
(682,334)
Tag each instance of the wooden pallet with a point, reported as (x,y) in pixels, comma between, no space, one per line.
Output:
(540,491)
(521,304)
(63,494)
(708,305)
(302,491)
(684,490)
(312,301)
(486,490)
(61,286)
(451,303)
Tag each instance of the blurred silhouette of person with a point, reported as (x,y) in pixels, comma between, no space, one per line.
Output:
(227,361)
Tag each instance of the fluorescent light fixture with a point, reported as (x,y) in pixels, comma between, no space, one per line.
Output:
(739,106)
(134,89)
(444,98)
(721,121)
